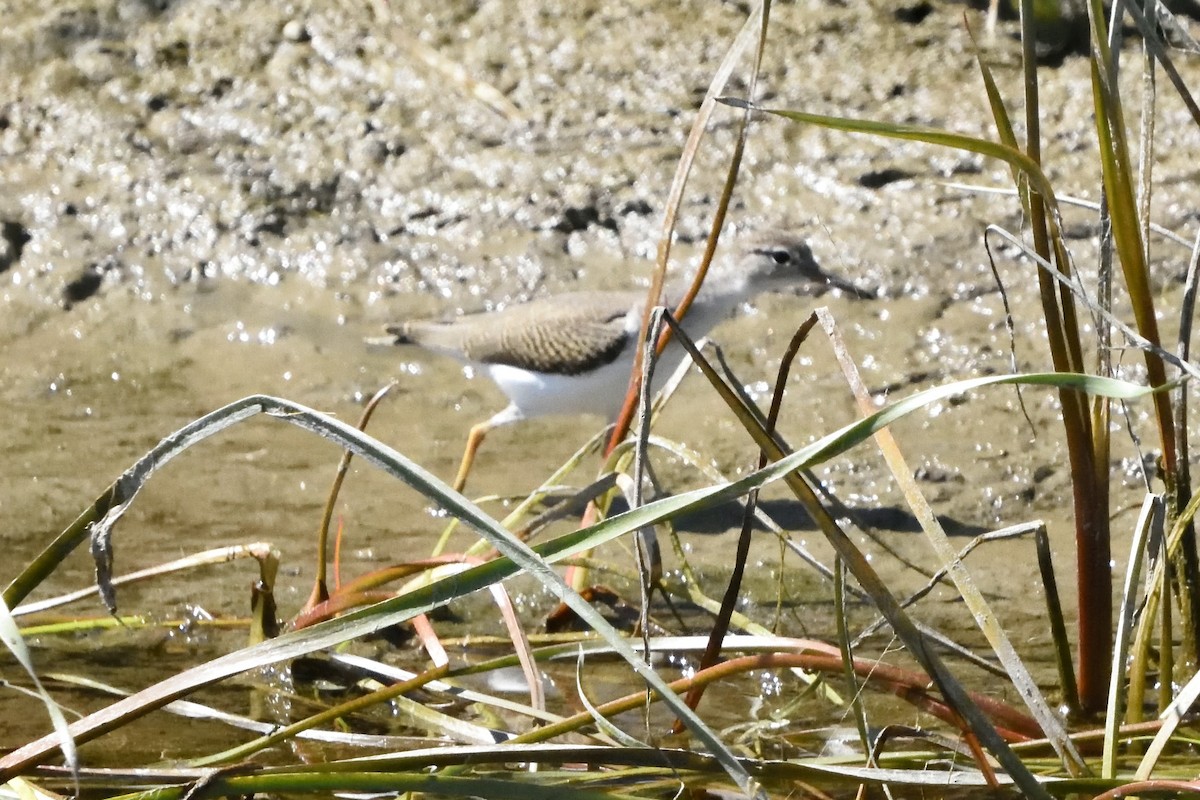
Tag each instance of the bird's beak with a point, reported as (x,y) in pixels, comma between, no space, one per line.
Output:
(823,281)
(845,287)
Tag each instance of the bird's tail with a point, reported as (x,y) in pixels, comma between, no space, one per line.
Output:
(396,334)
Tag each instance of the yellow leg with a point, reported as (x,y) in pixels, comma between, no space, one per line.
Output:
(474,439)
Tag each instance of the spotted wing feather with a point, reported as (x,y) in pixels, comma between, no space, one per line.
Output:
(563,335)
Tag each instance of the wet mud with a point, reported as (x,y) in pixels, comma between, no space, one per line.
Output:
(205,200)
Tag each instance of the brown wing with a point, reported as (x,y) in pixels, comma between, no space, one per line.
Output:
(565,335)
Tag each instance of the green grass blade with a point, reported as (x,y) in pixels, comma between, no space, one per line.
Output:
(517,555)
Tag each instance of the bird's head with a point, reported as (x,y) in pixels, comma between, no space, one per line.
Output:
(779,261)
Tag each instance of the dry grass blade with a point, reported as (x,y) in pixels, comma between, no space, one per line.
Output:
(260,551)
(1134,338)
(517,556)
(1154,44)
(853,689)
(1149,522)
(14,642)
(732,594)
(1172,718)
(113,504)
(1057,621)
(980,610)
(187,709)
(320,591)
(870,582)
(1119,192)
(675,197)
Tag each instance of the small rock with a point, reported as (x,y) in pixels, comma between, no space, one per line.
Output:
(296,31)
(937,474)
(882,177)
(89,281)
(913,14)
(13,238)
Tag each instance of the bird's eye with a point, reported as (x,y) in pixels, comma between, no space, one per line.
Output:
(781,256)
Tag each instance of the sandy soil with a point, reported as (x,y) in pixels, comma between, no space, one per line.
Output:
(205,200)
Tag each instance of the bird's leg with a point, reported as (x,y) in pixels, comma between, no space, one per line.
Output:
(475,438)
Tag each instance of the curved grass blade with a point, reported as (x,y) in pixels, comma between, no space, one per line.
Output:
(1020,676)
(916,133)
(399,609)
(14,642)
(1150,517)
(519,556)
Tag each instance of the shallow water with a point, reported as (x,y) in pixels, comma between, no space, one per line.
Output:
(249,191)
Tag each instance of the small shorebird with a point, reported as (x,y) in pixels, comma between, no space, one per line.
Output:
(572,353)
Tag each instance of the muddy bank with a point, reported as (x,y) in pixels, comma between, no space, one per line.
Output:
(206,200)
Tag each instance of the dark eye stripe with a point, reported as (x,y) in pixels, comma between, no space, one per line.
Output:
(778,256)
